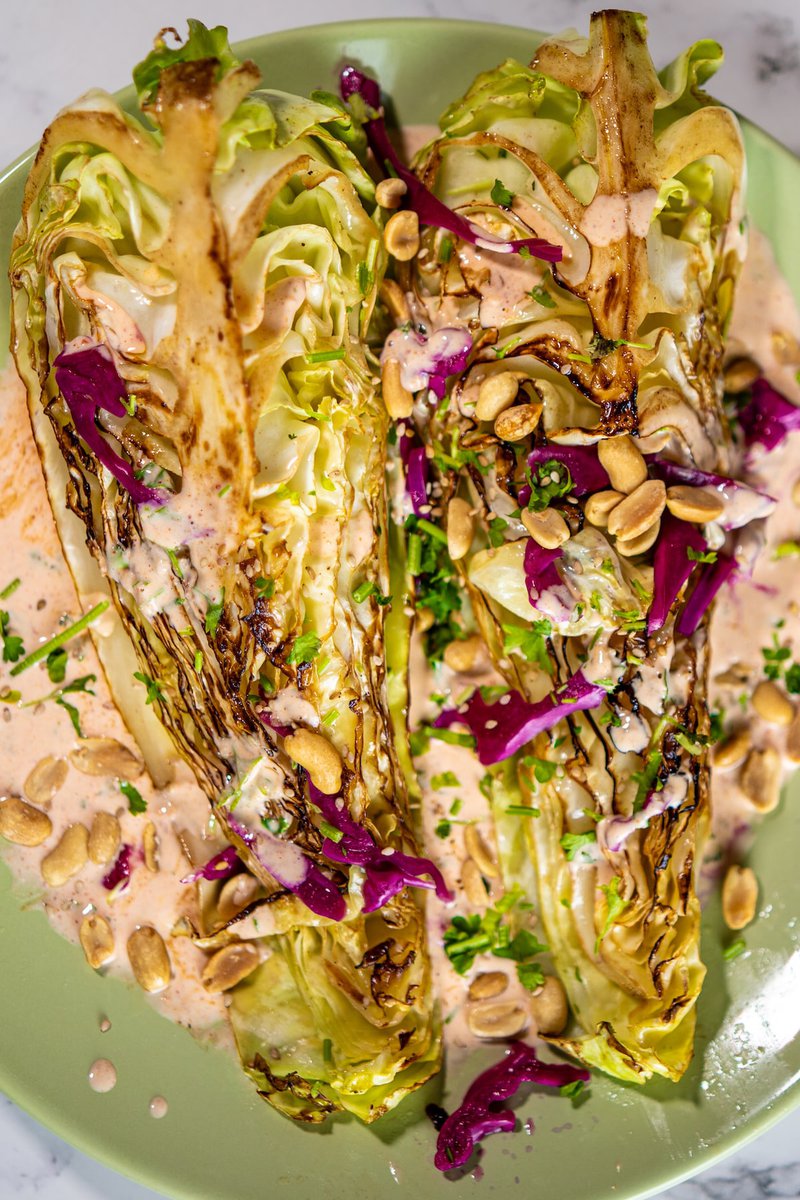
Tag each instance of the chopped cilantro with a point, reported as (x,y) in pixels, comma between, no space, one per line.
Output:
(466,937)
(792,679)
(530,642)
(155,690)
(571,843)
(13,648)
(56,663)
(615,905)
(501,195)
(265,587)
(436,586)
(443,829)
(10,588)
(645,779)
(530,975)
(213,614)
(446,780)
(548,481)
(305,648)
(701,556)
(543,771)
(541,295)
(136,803)
(716,718)
(497,528)
(572,1090)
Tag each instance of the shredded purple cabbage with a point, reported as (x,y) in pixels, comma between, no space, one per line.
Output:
(588,473)
(429,359)
(120,872)
(768,417)
(504,726)
(712,577)
(417,480)
(672,566)
(480,1112)
(315,890)
(743,504)
(89,382)
(544,582)
(429,209)
(384,874)
(221,866)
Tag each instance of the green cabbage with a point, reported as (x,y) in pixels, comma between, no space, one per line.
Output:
(638,177)
(223,253)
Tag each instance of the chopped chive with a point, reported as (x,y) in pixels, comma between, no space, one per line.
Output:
(10,588)
(509,346)
(320,356)
(223,491)
(176,566)
(433,530)
(198,661)
(327,484)
(445,250)
(66,635)
(331,717)
(331,832)
(414,555)
(734,950)
(364,591)
(521,810)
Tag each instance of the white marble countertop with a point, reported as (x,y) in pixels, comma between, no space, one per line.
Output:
(51,51)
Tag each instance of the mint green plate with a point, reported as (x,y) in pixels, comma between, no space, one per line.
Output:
(219,1141)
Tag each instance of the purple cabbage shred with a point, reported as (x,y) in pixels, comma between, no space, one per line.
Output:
(712,577)
(89,382)
(582,462)
(672,566)
(430,210)
(221,866)
(120,872)
(504,726)
(315,889)
(481,1113)
(768,417)
(417,478)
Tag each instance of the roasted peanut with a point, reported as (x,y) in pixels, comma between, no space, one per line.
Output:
(740,374)
(425,619)
(149,958)
(97,940)
(104,838)
(476,848)
(67,858)
(150,846)
(761,779)
(696,504)
(518,422)
(772,704)
(739,897)
(497,1019)
(600,504)
(462,653)
(629,547)
(549,1007)
(624,464)
(401,235)
(45,779)
(793,740)
(460,527)
(230,966)
(638,511)
(472,884)
(487,985)
(319,757)
(23,824)
(547,527)
(398,400)
(236,894)
(105,756)
(732,751)
(389,192)
(396,301)
(496,393)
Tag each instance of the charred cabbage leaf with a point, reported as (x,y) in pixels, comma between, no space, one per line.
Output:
(191,293)
(638,177)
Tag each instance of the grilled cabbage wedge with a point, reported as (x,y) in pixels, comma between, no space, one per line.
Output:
(612,356)
(191,290)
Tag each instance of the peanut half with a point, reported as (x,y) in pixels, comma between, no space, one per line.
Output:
(149,959)
(321,759)
(623,463)
(497,1019)
(772,704)
(517,423)
(599,505)
(105,836)
(761,779)
(638,511)
(230,966)
(460,527)
(23,824)
(476,848)
(549,1007)
(462,653)
(46,778)
(106,756)
(696,504)
(398,400)
(732,751)
(97,940)
(487,985)
(496,393)
(401,235)
(67,858)
(739,897)
(547,527)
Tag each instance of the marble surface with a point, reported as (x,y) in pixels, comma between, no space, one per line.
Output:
(90,42)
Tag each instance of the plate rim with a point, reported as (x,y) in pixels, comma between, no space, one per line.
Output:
(24,1095)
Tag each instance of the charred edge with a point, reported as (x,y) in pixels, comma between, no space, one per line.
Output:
(619,416)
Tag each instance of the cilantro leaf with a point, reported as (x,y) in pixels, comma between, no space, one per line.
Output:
(530,642)
(543,771)
(501,195)
(446,780)
(615,905)
(571,843)
(541,295)
(213,615)
(13,648)
(136,802)
(305,648)
(548,481)
(56,663)
(530,975)
(792,678)
(701,556)
(155,690)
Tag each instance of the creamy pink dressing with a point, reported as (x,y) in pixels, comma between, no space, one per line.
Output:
(102,1075)
(44,600)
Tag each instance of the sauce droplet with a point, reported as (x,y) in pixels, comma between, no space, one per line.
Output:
(102,1075)
(158,1107)
(105,1025)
